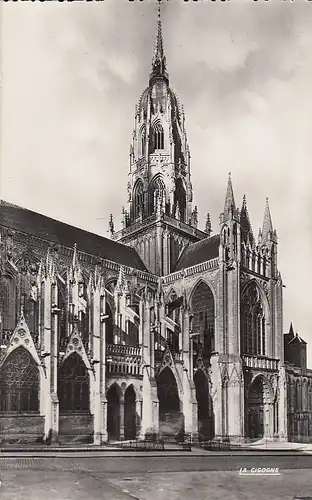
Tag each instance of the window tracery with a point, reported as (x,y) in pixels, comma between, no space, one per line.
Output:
(253,322)
(138,199)
(158,136)
(19,383)
(73,390)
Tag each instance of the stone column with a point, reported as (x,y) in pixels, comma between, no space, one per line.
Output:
(46,346)
(282,405)
(189,406)
(97,367)
(138,417)
(216,393)
(122,419)
(150,409)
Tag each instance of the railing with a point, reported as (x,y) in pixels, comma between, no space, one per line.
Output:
(260,362)
(125,350)
(123,359)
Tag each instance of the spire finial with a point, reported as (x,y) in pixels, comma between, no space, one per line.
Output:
(159,68)
(267,228)
(229,205)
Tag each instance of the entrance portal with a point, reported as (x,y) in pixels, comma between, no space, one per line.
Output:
(257,409)
(113,413)
(170,419)
(130,413)
(204,405)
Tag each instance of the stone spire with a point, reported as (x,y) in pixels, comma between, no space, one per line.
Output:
(267,228)
(229,205)
(159,66)
(246,229)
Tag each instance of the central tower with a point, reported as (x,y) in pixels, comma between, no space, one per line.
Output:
(159,221)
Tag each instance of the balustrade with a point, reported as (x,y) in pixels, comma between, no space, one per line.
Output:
(260,363)
(123,359)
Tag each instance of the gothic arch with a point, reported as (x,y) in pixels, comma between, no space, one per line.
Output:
(205,412)
(74,385)
(130,417)
(202,305)
(259,398)
(198,282)
(254,319)
(267,386)
(114,396)
(138,198)
(157,136)
(168,393)
(19,383)
(142,141)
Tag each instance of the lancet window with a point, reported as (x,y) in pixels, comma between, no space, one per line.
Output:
(8,302)
(138,199)
(158,137)
(253,322)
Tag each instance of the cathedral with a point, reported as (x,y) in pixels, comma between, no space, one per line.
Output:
(162,330)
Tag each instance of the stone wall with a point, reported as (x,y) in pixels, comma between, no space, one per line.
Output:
(21,428)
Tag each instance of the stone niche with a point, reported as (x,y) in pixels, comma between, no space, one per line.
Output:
(21,429)
(76,427)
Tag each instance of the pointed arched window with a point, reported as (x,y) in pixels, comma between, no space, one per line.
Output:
(8,302)
(253,330)
(158,136)
(19,383)
(142,141)
(73,385)
(138,199)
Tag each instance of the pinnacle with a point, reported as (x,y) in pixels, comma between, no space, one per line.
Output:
(229,204)
(159,60)
(267,227)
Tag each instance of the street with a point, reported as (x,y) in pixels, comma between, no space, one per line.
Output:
(154,477)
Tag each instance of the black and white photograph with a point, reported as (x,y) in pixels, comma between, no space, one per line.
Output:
(155,248)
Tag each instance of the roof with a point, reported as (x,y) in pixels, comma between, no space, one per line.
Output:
(43,227)
(198,252)
(297,340)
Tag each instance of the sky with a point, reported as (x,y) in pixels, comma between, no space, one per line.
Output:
(72,73)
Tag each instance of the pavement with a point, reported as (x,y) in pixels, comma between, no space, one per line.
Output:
(155,478)
(262,446)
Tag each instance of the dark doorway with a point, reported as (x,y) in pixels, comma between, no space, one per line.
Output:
(113,413)
(255,410)
(130,413)
(170,419)
(204,407)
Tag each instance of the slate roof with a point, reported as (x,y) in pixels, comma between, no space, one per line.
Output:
(41,226)
(198,252)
